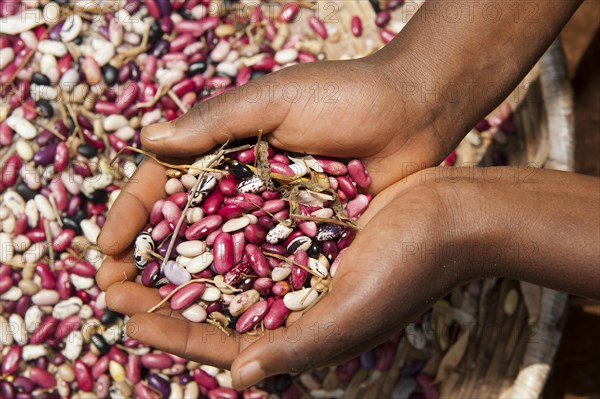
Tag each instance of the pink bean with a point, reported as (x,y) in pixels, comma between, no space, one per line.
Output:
(186,296)
(358,173)
(157,360)
(345,184)
(166,289)
(332,167)
(156,213)
(172,213)
(357,206)
(161,231)
(133,368)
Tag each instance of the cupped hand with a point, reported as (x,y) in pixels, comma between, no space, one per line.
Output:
(351,109)
(374,293)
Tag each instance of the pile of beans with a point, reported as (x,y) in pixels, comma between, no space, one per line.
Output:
(78,82)
(246,248)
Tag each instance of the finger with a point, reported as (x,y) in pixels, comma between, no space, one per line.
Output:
(312,341)
(130,212)
(130,298)
(115,269)
(200,342)
(233,115)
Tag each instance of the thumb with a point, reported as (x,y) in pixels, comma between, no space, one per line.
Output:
(235,114)
(312,341)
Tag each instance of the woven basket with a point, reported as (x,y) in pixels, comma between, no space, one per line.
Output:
(506,356)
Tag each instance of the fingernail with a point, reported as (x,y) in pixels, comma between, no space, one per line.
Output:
(248,375)
(157,131)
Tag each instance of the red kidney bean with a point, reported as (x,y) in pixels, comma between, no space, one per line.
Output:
(299,275)
(255,234)
(230,212)
(385,356)
(10,362)
(41,377)
(10,171)
(288,12)
(83,268)
(186,296)
(212,202)
(317,26)
(156,361)
(127,95)
(150,273)
(48,280)
(5,283)
(156,212)
(359,174)
(67,325)
(100,367)
(356,26)
(166,289)
(266,64)
(197,28)
(251,317)
(257,260)
(204,379)
(263,285)
(203,227)
(44,330)
(239,243)
(83,376)
(223,253)
(276,315)
(382,18)
(117,355)
(221,392)
(142,391)
(346,371)
(133,368)
(172,214)
(387,36)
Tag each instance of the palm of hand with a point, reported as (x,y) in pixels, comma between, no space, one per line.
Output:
(372,294)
